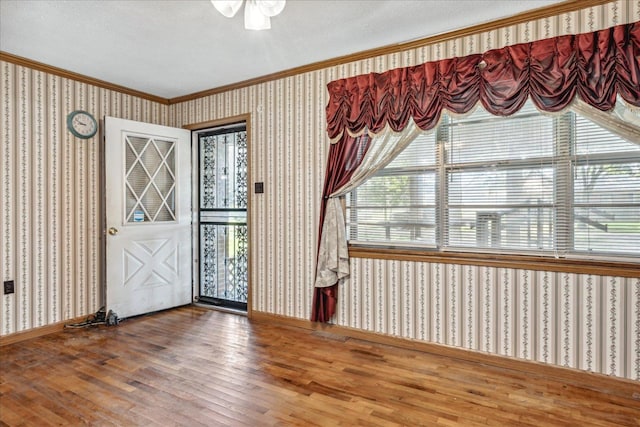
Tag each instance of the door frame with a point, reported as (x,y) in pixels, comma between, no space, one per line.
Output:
(195,197)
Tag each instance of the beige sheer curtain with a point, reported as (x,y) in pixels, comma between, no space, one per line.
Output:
(623,120)
(333,254)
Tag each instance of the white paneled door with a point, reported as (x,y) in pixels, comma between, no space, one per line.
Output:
(148,217)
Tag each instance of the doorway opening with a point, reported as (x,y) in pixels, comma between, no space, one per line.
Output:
(223,240)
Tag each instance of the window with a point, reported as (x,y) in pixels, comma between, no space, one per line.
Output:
(529,183)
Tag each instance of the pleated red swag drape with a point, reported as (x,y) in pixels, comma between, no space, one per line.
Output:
(597,66)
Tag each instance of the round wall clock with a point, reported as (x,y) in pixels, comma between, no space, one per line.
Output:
(82,124)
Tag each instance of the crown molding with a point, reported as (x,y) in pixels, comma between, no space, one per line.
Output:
(39,66)
(543,12)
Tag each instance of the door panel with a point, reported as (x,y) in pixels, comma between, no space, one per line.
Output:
(148,217)
(223,231)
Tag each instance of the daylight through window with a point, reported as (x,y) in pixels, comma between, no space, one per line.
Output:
(529,183)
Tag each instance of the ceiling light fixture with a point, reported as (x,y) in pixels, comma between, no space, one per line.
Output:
(257,13)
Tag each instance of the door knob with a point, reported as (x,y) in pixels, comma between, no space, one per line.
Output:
(113,231)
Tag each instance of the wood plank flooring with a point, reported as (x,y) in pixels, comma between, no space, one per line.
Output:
(196,367)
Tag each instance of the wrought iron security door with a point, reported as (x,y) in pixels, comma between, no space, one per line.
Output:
(223,216)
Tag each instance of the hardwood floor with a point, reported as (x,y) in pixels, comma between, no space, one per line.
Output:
(191,366)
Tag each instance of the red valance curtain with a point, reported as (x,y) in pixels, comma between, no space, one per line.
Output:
(597,66)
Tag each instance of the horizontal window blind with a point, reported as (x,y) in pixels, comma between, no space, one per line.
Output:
(500,181)
(528,183)
(398,205)
(606,191)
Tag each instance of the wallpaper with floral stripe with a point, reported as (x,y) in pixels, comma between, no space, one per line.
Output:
(50,195)
(573,320)
(49,220)
(585,322)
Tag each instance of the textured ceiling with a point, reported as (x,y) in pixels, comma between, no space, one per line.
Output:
(171,48)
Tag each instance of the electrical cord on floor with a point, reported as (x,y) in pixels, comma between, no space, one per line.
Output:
(101,317)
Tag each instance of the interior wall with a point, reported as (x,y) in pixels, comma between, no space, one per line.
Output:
(50,195)
(578,321)
(49,219)
(585,322)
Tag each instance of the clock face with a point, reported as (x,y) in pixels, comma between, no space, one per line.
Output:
(82,124)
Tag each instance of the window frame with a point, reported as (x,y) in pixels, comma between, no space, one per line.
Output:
(565,257)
